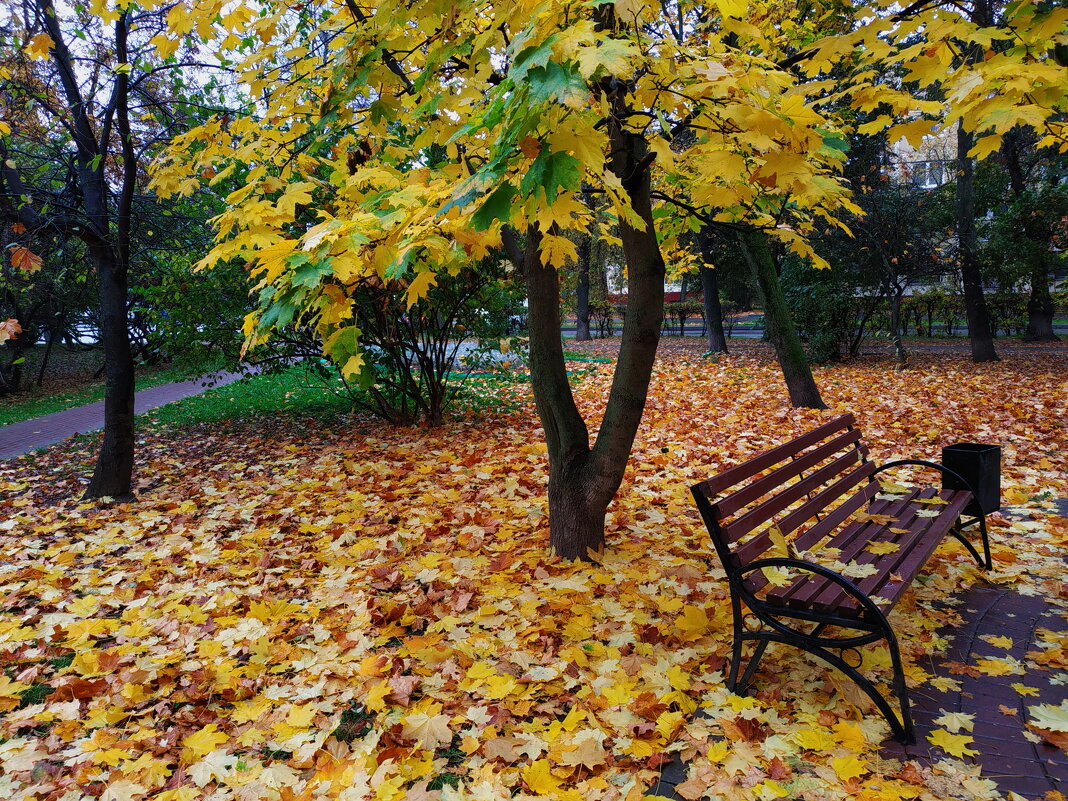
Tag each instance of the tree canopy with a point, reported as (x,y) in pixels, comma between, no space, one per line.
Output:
(392,141)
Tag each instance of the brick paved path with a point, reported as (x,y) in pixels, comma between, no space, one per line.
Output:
(29,435)
(1029,769)
(1035,771)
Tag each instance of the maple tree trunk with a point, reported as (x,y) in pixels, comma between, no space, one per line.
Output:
(583,480)
(114,465)
(1040,307)
(576,515)
(777,322)
(717,339)
(582,292)
(982,338)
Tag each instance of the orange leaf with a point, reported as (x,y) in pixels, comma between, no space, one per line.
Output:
(26,260)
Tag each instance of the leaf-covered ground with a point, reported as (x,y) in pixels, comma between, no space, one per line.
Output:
(298,612)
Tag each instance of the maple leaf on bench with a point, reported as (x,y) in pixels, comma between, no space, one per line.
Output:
(882,520)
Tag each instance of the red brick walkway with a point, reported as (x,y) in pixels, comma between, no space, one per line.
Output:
(1035,771)
(29,435)
(1030,769)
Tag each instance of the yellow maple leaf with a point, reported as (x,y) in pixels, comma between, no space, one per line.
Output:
(202,742)
(1023,689)
(1000,641)
(300,716)
(881,548)
(558,250)
(1006,666)
(849,767)
(815,739)
(850,736)
(179,794)
(539,779)
(429,730)
(955,721)
(419,286)
(39,46)
(1048,716)
(953,744)
(776,576)
(375,699)
(945,684)
(692,623)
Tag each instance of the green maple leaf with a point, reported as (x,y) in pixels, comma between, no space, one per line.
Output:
(553,172)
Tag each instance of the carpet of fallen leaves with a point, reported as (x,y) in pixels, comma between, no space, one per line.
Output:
(292,611)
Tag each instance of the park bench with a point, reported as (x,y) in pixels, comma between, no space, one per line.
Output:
(819,552)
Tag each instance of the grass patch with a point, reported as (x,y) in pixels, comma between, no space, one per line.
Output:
(290,391)
(296,392)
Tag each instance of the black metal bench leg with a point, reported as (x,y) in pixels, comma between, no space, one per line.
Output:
(750,669)
(908,732)
(736,649)
(958,532)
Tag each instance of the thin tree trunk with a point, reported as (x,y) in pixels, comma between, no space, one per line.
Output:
(112,476)
(777,322)
(48,352)
(895,324)
(582,292)
(979,331)
(1040,306)
(717,339)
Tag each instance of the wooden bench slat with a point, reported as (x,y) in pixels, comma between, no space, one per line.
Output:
(837,516)
(933,533)
(752,549)
(849,541)
(738,473)
(862,534)
(781,475)
(921,536)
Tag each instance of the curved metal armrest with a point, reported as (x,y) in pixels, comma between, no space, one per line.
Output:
(934,465)
(811,567)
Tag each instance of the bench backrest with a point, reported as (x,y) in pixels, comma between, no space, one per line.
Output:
(796,487)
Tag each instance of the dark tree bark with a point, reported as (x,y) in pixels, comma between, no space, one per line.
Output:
(107,234)
(777,322)
(979,332)
(582,292)
(1040,306)
(583,479)
(717,339)
(896,293)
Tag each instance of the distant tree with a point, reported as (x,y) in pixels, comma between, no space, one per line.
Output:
(84,102)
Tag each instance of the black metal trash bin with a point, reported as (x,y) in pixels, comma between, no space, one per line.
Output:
(980,466)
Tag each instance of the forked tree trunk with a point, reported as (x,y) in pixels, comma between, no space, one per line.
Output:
(583,480)
(1040,307)
(777,322)
(979,332)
